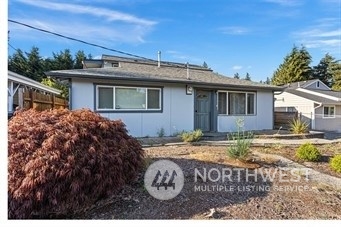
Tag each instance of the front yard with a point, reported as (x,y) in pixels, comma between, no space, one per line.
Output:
(240,197)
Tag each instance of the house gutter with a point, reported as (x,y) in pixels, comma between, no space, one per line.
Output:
(181,81)
(313,116)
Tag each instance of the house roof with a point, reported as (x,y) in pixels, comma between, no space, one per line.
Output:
(313,97)
(22,80)
(150,62)
(336,94)
(167,73)
(302,84)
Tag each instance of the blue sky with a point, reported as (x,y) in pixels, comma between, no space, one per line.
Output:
(230,36)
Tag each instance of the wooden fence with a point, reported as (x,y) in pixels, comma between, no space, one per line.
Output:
(283,119)
(40,101)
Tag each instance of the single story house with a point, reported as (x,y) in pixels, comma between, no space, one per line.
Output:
(17,84)
(316,102)
(152,95)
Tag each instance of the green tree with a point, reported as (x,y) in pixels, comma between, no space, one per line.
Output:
(268,81)
(323,71)
(336,72)
(51,82)
(295,67)
(79,58)
(35,64)
(18,63)
(62,60)
(236,76)
(247,77)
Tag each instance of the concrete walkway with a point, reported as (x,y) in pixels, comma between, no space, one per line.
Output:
(164,141)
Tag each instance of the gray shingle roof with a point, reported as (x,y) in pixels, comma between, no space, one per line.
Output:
(315,98)
(336,94)
(165,73)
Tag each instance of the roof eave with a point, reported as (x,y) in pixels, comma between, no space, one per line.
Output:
(215,85)
(31,83)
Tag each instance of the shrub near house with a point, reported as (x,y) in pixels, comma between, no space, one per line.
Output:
(61,161)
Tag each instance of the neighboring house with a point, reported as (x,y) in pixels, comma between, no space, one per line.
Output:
(17,84)
(152,95)
(316,102)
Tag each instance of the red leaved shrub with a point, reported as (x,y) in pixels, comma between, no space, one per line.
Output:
(60,161)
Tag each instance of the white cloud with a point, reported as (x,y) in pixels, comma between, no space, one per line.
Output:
(237,67)
(118,27)
(324,34)
(234,30)
(110,15)
(99,34)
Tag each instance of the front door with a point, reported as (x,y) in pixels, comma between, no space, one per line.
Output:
(202,110)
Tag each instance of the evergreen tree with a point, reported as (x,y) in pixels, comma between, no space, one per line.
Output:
(268,81)
(295,67)
(35,64)
(236,76)
(205,65)
(79,58)
(248,77)
(323,71)
(336,72)
(62,60)
(18,63)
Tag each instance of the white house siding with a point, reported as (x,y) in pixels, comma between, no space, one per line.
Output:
(303,106)
(262,120)
(329,124)
(177,114)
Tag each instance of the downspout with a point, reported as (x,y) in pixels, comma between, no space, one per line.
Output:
(313,123)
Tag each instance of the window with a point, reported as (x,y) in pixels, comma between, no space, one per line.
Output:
(236,103)
(115,64)
(105,98)
(222,103)
(128,98)
(318,84)
(329,111)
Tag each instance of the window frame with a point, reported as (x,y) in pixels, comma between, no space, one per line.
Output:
(246,103)
(103,110)
(328,116)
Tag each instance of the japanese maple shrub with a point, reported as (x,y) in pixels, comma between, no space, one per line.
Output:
(61,161)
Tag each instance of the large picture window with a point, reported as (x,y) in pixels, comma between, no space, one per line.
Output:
(128,98)
(236,103)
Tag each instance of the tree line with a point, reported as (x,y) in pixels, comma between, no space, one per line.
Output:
(33,65)
(296,67)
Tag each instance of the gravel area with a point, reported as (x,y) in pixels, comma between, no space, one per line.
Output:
(243,198)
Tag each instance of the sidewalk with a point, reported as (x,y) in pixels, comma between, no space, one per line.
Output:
(168,141)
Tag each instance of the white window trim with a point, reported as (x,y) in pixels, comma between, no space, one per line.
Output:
(328,117)
(97,97)
(132,110)
(246,109)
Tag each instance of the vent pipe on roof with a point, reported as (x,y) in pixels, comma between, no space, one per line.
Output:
(187,65)
(158,59)
(298,84)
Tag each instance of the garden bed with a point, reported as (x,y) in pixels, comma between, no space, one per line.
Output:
(318,202)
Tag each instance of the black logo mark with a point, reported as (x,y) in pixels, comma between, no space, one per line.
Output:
(163,182)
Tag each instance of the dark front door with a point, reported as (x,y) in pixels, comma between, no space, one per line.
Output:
(202,110)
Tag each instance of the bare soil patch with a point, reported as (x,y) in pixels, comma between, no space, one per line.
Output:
(281,200)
